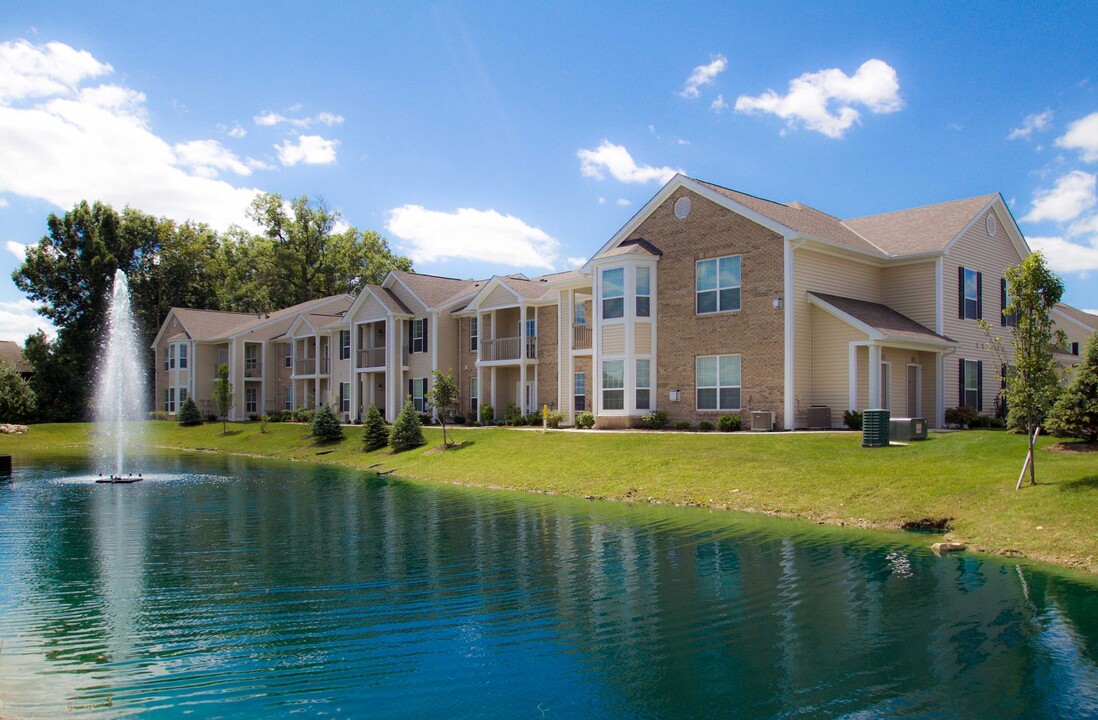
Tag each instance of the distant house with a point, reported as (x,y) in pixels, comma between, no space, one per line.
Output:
(12,354)
(708,302)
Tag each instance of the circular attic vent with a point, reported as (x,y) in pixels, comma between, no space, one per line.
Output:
(682,208)
(992,226)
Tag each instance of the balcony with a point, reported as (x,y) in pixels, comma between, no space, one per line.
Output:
(371,357)
(252,369)
(509,348)
(308,366)
(581,336)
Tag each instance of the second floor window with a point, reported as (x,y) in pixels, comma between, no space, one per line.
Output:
(251,357)
(182,357)
(289,354)
(644,291)
(474,330)
(971,285)
(419,335)
(344,344)
(717,284)
(169,361)
(613,293)
(581,313)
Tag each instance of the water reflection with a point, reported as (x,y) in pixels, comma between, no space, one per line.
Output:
(326,593)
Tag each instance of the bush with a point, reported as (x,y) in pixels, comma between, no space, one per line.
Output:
(729,423)
(962,417)
(210,417)
(705,426)
(852,419)
(407,432)
(682,425)
(987,422)
(514,415)
(459,420)
(486,415)
(655,420)
(1075,413)
(374,433)
(325,426)
(554,418)
(189,416)
(534,419)
(585,420)
(17,401)
(253,417)
(426,418)
(304,415)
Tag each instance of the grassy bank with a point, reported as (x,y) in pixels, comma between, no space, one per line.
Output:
(825,477)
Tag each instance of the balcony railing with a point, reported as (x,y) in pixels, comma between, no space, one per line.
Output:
(508,348)
(253,370)
(371,357)
(305,366)
(581,336)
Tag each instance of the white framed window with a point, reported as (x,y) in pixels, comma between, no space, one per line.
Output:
(169,400)
(417,388)
(972,383)
(345,397)
(474,330)
(169,361)
(288,398)
(717,284)
(288,355)
(644,384)
(182,358)
(251,356)
(644,292)
(474,398)
(251,400)
(419,335)
(971,284)
(580,316)
(580,392)
(344,344)
(223,356)
(613,385)
(531,339)
(182,396)
(613,293)
(718,382)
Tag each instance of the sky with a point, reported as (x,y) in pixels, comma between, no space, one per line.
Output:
(486,137)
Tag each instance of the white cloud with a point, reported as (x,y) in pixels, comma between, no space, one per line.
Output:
(622,202)
(719,105)
(18,249)
(1036,122)
(1072,195)
(616,160)
(469,234)
(703,75)
(1085,226)
(1065,256)
(1082,135)
(206,157)
(329,119)
(576,262)
(309,149)
(270,119)
(73,143)
(18,319)
(237,132)
(3,202)
(823,101)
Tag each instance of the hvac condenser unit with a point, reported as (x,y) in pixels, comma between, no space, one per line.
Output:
(762,420)
(907,429)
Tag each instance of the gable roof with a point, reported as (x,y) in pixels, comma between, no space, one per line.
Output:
(435,290)
(13,354)
(923,229)
(878,321)
(206,325)
(1082,317)
(335,303)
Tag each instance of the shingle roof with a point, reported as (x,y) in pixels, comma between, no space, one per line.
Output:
(211,324)
(923,229)
(389,299)
(13,355)
(890,323)
(333,303)
(635,246)
(435,290)
(1088,319)
(323,320)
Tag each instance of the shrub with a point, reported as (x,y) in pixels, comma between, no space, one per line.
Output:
(852,419)
(17,401)
(585,420)
(263,423)
(705,426)
(459,419)
(210,417)
(253,417)
(425,418)
(514,415)
(1075,413)
(159,415)
(729,423)
(533,419)
(189,416)
(987,422)
(303,415)
(325,426)
(407,432)
(554,418)
(962,417)
(682,425)
(486,415)
(655,420)
(374,433)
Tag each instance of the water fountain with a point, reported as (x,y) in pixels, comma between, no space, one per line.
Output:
(120,391)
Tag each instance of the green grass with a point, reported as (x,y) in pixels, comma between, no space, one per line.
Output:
(824,477)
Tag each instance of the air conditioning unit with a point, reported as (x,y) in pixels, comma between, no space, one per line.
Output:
(906,429)
(819,417)
(762,420)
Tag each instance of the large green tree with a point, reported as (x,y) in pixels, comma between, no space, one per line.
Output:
(17,401)
(1075,413)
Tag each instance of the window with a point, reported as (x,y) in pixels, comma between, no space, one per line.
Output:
(971,289)
(182,396)
(613,385)
(251,400)
(344,344)
(474,329)
(182,359)
(345,397)
(474,398)
(419,335)
(417,388)
(531,339)
(644,384)
(972,391)
(288,349)
(717,284)
(1006,319)
(718,382)
(169,362)
(288,398)
(613,293)
(251,357)
(580,401)
(169,400)
(644,291)
(580,317)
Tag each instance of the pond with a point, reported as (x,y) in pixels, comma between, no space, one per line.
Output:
(224,587)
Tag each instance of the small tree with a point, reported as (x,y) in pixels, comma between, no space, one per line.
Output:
(189,416)
(1033,378)
(407,431)
(17,400)
(443,395)
(374,433)
(223,395)
(1075,413)
(325,425)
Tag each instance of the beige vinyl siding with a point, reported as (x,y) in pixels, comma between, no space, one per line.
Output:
(830,384)
(447,344)
(206,361)
(613,339)
(909,289)
(820,272)
(371,309)
(1075,333)
(642,338)
(499,297)
(990,256)
(419,363)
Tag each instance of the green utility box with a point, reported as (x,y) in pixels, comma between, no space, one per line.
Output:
(875,428)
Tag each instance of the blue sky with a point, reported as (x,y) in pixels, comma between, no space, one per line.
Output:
(518,137)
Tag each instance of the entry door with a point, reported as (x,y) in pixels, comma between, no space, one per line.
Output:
(914,373)
(531,398)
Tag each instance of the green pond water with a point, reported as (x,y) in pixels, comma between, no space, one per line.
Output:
(228,588)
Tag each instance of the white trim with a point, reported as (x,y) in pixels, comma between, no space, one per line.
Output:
(789,336)
(939,299)
(874,370)
(852,376)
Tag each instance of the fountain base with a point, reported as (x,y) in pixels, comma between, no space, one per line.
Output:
(119,480)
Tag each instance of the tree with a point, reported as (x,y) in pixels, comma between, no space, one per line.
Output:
(1032,373)
(325,425)
(56,381)
(189,416)
(374,433)
(407,432)
(223,395)
(17,401)
(443,395)
(1075,413)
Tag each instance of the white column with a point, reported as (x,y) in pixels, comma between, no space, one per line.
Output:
(874,376)
(480,388)
(852,378)
(939,390)
(495,408)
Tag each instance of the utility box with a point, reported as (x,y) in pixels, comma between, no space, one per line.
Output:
(819,417)
(875,428)
(907,429)
(762,420)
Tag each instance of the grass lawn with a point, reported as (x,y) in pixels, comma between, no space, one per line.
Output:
(824,477)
